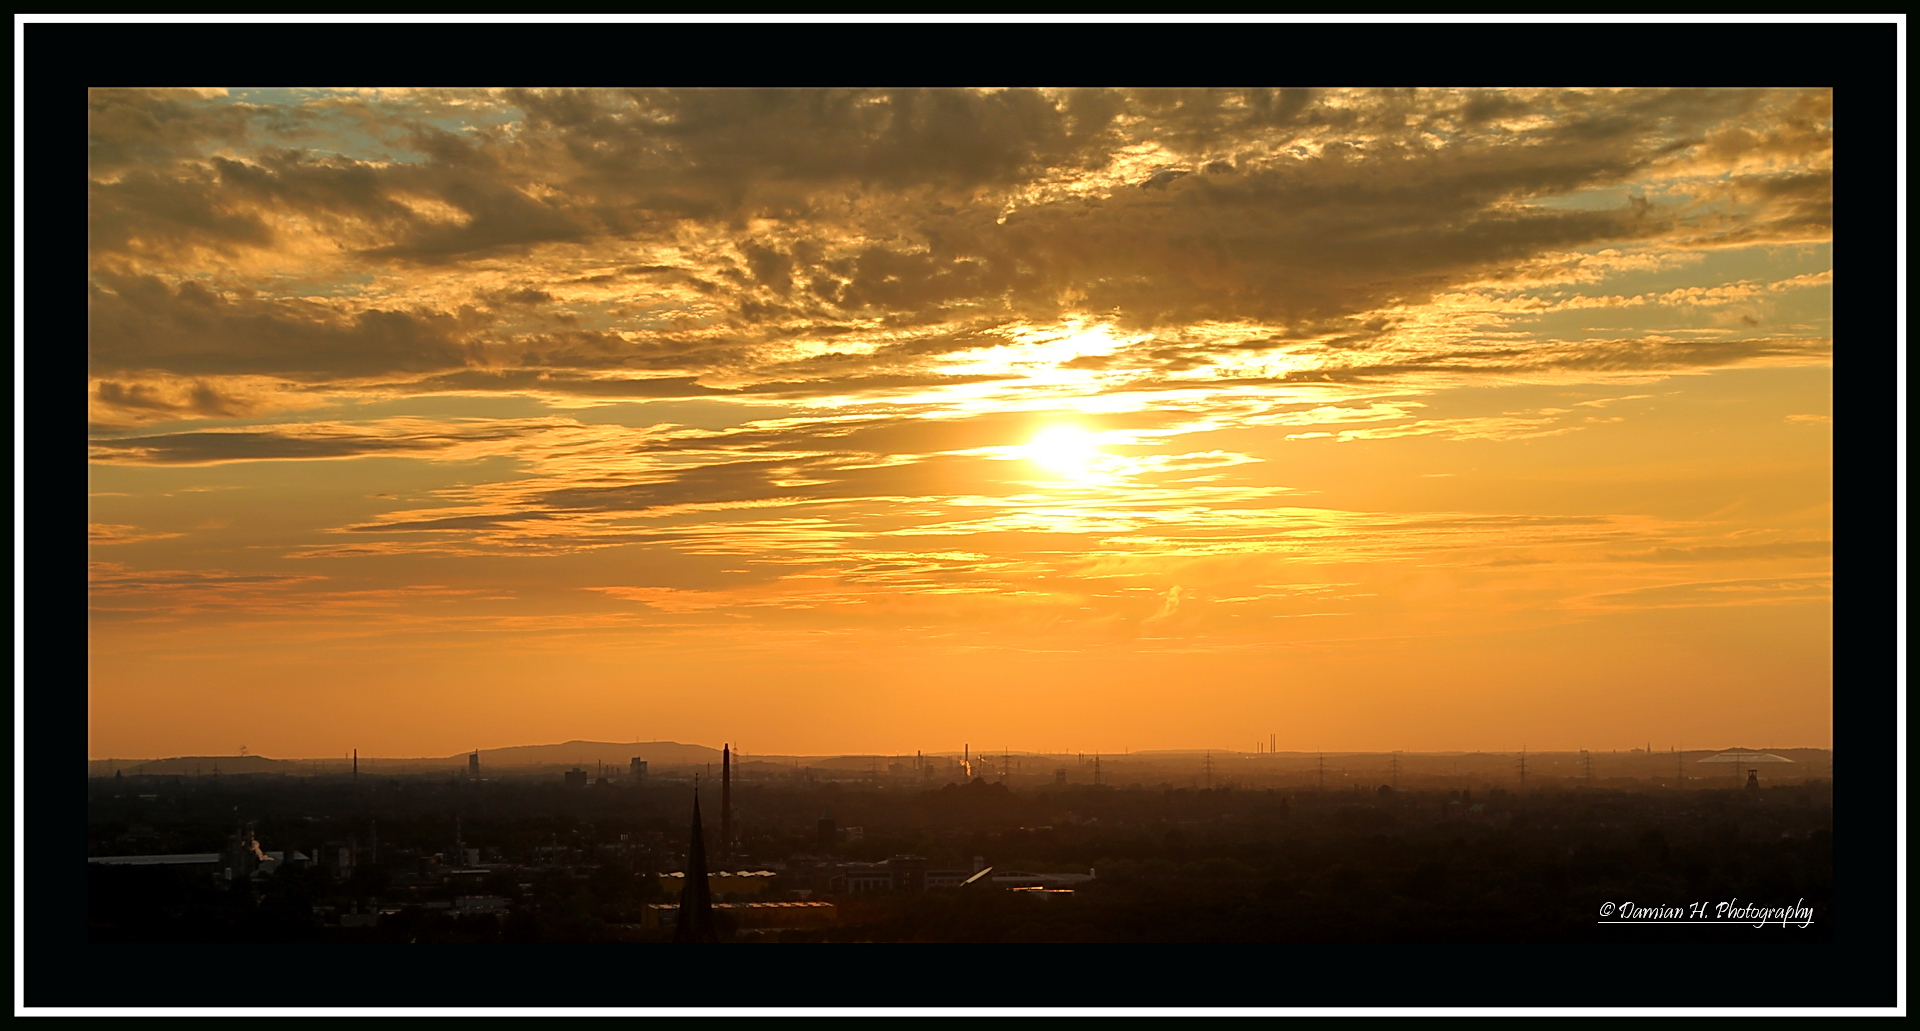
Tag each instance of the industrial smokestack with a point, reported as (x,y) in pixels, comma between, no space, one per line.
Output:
(726,800)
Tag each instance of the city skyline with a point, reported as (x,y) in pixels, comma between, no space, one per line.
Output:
(830,421)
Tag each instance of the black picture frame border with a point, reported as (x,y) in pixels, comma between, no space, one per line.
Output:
(1856,970)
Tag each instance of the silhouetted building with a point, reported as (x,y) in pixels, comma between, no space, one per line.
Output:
(481,904)
(900,873)
(752,915)
(1023,879)
(693,921)
(201,862)
(1045,893)
(935,879)
(576,778)
(826,829)
(861,878)
(213,863)
(1753,780)
(473,765)
(242,855)
(638,771)
(338,855)
(731,882)
(242,858)
(909,873)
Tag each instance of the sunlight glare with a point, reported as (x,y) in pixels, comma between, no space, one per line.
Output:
(1064,450)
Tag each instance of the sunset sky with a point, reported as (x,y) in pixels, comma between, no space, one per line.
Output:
(873,421)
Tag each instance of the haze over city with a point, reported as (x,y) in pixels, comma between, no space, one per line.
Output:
(832,422)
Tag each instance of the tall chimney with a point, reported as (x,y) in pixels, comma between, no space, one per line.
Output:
(726,801)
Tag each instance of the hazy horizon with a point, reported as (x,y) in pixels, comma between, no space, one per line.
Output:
(628,750)
(1096,420)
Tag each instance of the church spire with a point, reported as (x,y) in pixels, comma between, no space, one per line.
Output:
(695,922)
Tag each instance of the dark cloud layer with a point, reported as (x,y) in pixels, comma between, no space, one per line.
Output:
(138,323)
(303,442)
(923,216)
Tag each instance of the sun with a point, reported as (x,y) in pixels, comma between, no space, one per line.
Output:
(1064,450)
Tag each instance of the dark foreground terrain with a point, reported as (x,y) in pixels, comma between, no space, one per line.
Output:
(438,859)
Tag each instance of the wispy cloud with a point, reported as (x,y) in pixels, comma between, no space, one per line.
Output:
(111,533)
(1773,591)
(1729,552)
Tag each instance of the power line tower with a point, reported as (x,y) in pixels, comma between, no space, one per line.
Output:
(1523,769)
(1586,759)
(1209,770)
(1321,764)
(1679,767)
(1395,766)
(1096,769)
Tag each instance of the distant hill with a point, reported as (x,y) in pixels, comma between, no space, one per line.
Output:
(656,753)
(660,754)
(187,765)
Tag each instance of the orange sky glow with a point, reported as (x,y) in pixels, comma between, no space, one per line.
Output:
(835,421)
